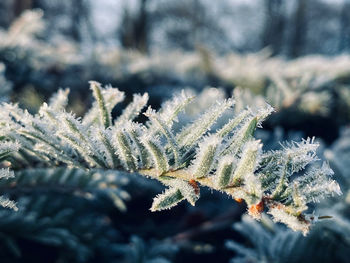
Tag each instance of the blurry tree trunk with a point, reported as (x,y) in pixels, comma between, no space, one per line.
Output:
(126,32)
(196,23)
(6,13)
(134,33)
(274,25)
(78,12)
(300,29)
(344,42)
(81,25)
(141,28)
(11,9)
(21,5)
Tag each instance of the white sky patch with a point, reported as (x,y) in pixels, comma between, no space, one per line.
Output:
(107,14)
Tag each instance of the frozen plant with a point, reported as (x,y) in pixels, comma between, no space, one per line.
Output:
(227,159)
(6,148)
(339,156)
(67,224)
(326,242)
(271,243)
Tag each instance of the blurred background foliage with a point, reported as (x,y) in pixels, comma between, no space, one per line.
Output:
(293,54)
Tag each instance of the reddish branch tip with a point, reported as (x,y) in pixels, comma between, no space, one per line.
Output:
(194,184)
(257,209)
(238,200)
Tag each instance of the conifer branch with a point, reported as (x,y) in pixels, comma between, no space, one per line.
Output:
(227,159)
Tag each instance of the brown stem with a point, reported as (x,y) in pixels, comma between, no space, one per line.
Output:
(187,176)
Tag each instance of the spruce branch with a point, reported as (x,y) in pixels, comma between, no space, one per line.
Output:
(228,158)
(6,149)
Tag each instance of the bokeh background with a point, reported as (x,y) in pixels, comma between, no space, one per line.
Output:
(293,54)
